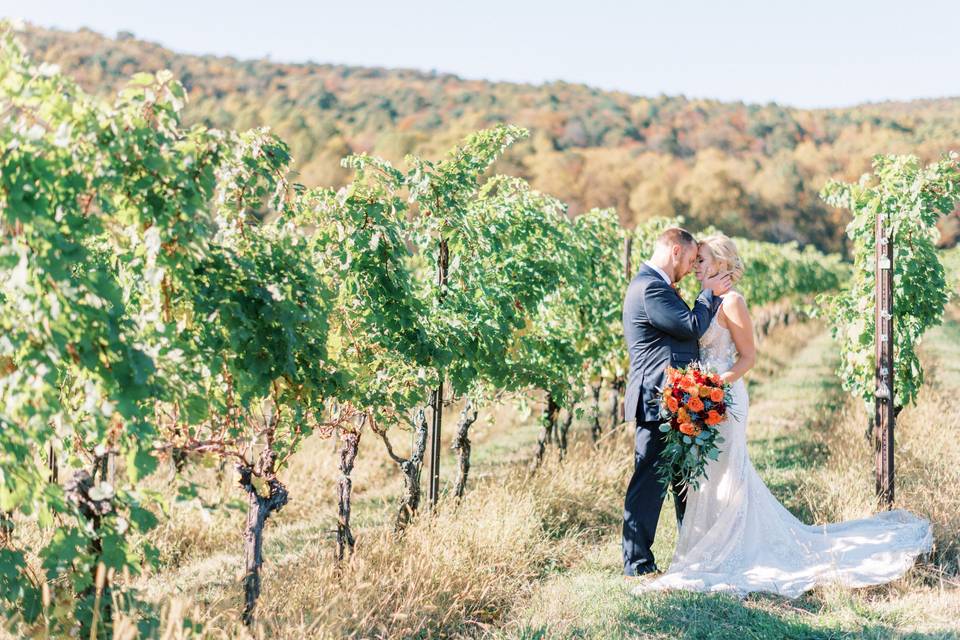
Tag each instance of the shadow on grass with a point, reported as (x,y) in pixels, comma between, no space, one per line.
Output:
(694,616)
(786,452)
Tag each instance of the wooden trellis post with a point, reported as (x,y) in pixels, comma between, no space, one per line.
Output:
(885,413)
(627,251)
(620,385)
(433,489)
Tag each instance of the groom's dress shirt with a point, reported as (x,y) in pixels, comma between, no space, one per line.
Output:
(663,274)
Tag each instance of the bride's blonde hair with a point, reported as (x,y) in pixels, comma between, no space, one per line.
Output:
(725,252)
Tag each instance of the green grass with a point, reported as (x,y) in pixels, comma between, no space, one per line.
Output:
(611,614)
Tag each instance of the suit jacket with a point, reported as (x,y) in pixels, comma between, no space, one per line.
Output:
(660,331)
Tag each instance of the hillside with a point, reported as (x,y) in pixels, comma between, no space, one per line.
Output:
(754,170)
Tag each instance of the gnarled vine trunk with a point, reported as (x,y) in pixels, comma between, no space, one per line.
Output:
(93,508)
(410,467)
(349,444)
(461,444)
(563,430)
(616,400)
(259,508)
(595,429)
(6,528)
(548,423)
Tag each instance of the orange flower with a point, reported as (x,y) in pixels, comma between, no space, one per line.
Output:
(713,418)
(687,429)
(716,395)
(682,415)
(705,391)
(695,404)
(672,404)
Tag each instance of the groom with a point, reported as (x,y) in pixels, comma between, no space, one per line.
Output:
(660,331)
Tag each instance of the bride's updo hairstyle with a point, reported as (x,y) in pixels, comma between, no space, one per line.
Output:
(725,254)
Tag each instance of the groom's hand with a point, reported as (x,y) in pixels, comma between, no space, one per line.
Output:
(719,283)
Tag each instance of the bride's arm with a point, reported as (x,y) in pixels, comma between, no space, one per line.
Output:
(741,330)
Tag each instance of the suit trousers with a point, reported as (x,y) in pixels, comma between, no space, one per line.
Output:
(644,500)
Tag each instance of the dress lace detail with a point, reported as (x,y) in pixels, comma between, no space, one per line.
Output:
(717,349)
(737,537)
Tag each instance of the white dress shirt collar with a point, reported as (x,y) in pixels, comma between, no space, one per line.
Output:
(663,274)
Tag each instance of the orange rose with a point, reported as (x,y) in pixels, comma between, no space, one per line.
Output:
(687,429)
(716,395)
(713,418)
(672,404)
(695,404)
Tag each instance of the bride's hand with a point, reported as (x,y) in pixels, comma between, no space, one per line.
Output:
(719,283)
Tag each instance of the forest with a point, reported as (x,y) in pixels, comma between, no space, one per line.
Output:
(753,170)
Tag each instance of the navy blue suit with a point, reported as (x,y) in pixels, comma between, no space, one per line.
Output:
(660,331)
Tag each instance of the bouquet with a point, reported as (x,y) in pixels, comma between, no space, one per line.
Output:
(694,402)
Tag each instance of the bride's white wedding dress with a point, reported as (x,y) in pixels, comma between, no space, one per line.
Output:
(737,537)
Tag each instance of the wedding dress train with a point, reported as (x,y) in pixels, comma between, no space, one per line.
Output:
(737,537)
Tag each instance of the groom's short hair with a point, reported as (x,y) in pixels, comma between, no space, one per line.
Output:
(676,235)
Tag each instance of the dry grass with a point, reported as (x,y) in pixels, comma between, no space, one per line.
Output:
(538,557)
(927,458)
(456,572)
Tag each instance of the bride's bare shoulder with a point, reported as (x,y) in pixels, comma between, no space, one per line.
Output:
(733,297)
(733,303)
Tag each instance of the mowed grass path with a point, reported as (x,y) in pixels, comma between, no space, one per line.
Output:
(794,397)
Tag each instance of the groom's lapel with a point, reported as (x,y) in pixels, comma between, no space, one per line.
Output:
(645,268)
(650,271)
(676,290)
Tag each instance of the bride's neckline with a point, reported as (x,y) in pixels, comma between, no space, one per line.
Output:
(716,316)
(715,322)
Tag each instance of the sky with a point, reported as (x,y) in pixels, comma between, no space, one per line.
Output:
(814,53)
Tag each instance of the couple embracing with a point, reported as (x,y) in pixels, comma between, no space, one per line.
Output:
(734,535)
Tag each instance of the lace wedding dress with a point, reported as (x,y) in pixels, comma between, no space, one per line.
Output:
(737,537)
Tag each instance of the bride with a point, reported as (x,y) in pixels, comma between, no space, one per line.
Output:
(736,536)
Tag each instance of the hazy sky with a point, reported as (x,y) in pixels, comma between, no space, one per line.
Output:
(804,53)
